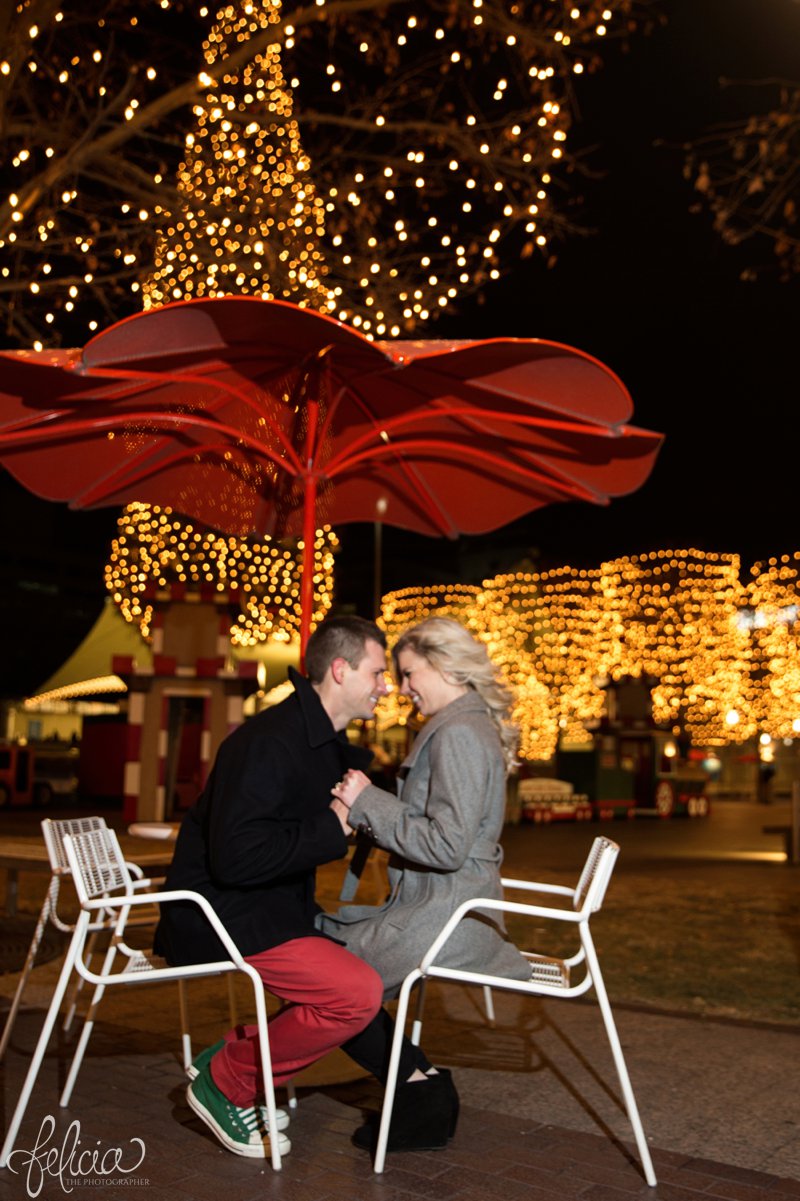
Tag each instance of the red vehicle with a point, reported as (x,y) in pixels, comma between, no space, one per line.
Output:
(35,774)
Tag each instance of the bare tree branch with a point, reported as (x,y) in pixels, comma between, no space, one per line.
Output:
(463,106)
(747,172)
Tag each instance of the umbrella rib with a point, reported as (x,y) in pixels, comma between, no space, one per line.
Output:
(128,477)
(205,382)
(553,479)
(54,433)
(438,410)
(111,422)
(435,510)
(470,417)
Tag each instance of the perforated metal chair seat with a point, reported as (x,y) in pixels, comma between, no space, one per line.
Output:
(54,832)
(553,972)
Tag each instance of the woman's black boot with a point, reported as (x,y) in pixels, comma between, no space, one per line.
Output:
(452,1095)
(421,1118)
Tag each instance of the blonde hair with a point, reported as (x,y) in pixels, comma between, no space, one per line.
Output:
(453,651)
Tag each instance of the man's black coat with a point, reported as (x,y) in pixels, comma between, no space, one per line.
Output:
(253,840)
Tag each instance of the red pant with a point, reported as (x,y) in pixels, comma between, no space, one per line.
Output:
(332,995)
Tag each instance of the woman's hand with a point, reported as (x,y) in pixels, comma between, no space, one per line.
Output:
(350,787)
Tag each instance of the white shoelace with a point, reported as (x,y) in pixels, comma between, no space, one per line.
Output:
(252,1121)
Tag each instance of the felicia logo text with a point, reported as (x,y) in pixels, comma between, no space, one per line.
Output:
(71,1164)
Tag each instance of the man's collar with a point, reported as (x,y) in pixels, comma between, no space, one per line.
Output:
(319,727)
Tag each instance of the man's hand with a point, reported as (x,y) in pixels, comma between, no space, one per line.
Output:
(343,813)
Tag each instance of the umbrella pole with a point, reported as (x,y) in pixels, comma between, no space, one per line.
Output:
(307,578)
(309,520)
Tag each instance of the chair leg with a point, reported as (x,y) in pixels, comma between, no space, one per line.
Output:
(232,1010)
(41,1047)
(394,1066)
(488,1000)
(266,1064)
(186,1038)
(88,1026)
(44,915)
(416,1025)
(619,1061)
(77,985)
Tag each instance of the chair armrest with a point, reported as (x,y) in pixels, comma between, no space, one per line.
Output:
(131,900)
(147,882)
(537,886)
(502,906)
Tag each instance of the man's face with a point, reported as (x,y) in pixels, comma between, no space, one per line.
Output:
(363,686)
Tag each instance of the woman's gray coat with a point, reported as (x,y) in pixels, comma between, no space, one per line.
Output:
(442,831)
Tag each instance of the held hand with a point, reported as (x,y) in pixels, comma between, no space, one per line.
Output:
(350,787)
(342,812)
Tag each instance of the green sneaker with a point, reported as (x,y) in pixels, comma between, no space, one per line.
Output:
(242,1131)
(202,1060)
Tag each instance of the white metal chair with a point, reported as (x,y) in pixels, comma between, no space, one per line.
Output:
(54,833)
(550,977)
(103,880)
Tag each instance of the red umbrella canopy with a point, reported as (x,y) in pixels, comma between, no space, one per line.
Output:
(255,416)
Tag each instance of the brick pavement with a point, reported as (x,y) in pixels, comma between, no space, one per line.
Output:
(541,1117)
(132,1088)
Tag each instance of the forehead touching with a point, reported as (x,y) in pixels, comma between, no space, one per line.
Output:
(409,659)
(374,658)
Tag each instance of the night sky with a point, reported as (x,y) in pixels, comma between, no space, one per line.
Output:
(710,361)
(652,292)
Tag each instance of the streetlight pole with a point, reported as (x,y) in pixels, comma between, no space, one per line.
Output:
(381,505)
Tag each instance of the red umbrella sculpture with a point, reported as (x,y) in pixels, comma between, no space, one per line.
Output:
(258,417)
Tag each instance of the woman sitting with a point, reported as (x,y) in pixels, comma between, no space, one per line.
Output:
(442,828)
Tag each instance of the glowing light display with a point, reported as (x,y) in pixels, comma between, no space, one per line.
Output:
(156,549)
(673,615)
(373,159)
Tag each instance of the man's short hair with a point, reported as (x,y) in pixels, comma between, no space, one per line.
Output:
(339,638)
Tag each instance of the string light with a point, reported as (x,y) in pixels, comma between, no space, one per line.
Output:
(772,618)
(724,654)
(156,550)
(397,199)
(249,212)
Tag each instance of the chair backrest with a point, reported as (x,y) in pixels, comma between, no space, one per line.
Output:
(97,864)
(596,874)
(54,832)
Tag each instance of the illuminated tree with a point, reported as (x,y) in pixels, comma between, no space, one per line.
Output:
(678,617)
(156,549)
(773,611)
(373,158)
(748,173)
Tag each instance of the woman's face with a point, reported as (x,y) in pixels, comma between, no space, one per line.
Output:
(427,688)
